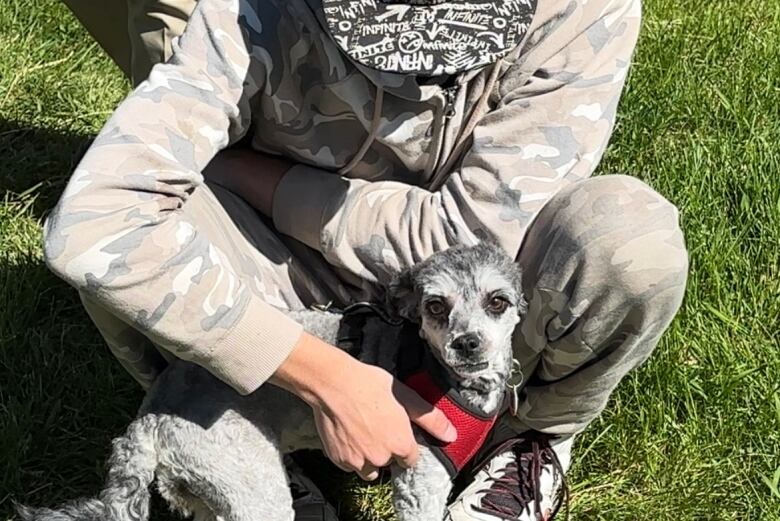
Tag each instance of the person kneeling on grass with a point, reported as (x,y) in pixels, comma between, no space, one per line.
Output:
(372,134)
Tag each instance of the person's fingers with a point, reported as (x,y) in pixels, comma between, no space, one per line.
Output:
(407,458)
(336,457)
(342,465)
(425,415)
(368,472)
(379,459)
(339,462)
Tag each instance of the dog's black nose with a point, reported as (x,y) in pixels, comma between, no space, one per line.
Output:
(467,342)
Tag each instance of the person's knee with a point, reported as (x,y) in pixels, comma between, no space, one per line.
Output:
(628,238)
(625,271)
(646,260)
(647,251)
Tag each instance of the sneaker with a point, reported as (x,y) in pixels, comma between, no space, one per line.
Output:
(523,479)
(308,502)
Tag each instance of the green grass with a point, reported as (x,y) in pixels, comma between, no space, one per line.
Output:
(692,435)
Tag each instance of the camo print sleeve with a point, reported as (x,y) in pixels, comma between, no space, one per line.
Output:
(123,232)
(549,128)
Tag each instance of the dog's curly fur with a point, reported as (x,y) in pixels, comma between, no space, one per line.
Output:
(217,455)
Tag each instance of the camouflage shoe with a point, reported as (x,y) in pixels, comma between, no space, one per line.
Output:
(523,479)
(308,502)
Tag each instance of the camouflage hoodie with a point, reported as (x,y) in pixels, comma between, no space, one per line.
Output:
(390,170)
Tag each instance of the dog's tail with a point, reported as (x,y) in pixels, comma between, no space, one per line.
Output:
(125,496)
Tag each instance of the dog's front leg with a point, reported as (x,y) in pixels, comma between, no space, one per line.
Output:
(420,493)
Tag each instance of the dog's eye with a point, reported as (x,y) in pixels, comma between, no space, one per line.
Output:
(436,308)
(498,305)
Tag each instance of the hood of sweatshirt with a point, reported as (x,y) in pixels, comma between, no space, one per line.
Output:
(468,91)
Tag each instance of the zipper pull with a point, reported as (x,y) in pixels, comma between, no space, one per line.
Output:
(449,101)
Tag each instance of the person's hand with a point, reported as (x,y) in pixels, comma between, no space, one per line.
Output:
(363,414)
(364,423)
(252,175)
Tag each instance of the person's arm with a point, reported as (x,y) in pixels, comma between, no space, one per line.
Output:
(545,132)
(353,405)
(124,232)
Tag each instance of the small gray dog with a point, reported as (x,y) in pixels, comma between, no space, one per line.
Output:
(217,455)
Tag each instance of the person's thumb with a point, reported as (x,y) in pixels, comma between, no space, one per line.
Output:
(425,415)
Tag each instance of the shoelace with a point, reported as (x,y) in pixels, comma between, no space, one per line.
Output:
(519,482)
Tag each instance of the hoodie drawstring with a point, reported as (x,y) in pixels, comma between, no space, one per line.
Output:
(380,94)
(479,110)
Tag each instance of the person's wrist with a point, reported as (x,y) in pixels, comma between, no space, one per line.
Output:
(314,371)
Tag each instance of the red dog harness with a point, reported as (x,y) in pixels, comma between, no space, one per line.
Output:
(416,368)
(473,428)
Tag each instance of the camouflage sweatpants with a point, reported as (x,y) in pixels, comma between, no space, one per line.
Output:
(604,261)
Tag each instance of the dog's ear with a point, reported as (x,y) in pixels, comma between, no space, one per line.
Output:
(402,299)
(522,304)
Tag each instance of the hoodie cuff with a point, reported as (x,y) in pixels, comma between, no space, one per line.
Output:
(254,348)
(301,199)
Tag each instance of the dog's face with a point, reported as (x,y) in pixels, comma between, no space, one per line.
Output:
(468,301)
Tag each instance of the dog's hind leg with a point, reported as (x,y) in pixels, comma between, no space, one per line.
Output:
(232,467)
(125,496)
